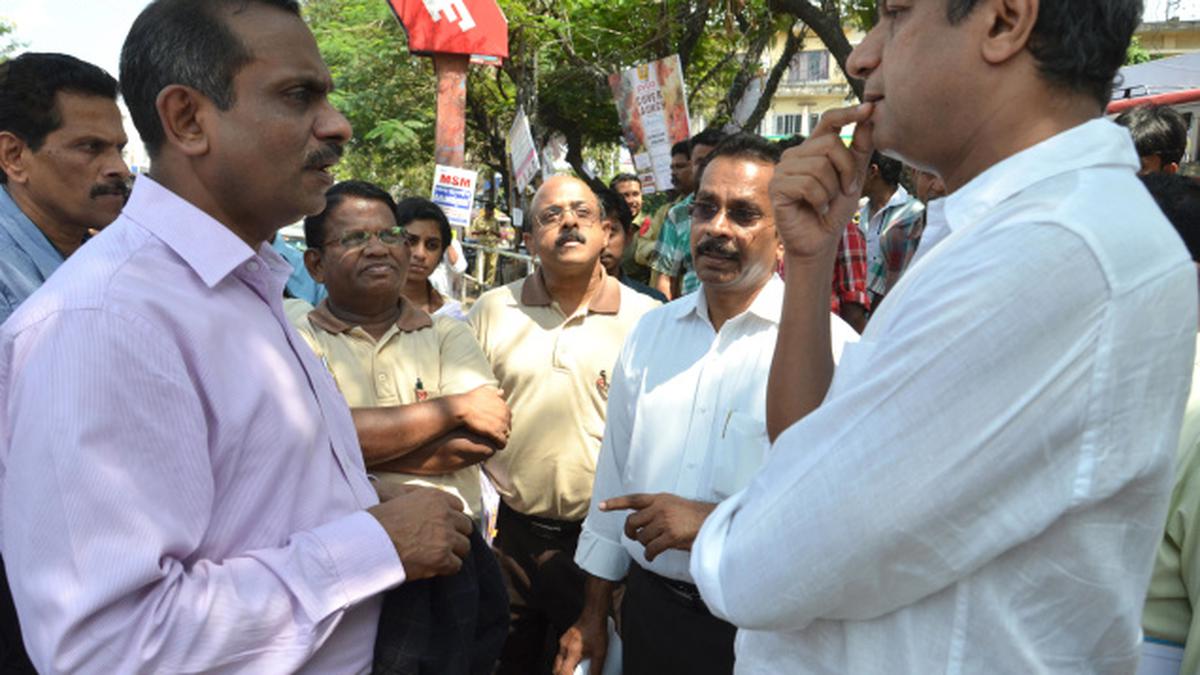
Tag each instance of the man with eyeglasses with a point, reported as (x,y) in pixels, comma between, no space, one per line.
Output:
(423,398)
(552,339)
(686,428)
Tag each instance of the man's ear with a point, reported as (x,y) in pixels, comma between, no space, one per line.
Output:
(12,157)
(1171,168)
(185,115)
(313,263)
(527,240)
(1011,25)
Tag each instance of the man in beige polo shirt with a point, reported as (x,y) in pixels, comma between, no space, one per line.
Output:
(552,340)
(421,392)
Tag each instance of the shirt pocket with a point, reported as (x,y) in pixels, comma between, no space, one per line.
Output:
(741,450)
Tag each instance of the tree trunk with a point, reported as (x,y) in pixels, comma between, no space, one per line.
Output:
(827,24)
(794,43)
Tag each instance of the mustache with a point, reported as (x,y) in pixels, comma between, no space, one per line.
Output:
(118,188)
(324,156)
(718,248)
(571,235)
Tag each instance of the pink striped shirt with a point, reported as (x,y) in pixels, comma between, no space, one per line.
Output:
(181,486)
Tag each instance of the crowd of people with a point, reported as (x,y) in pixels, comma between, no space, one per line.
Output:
(821,412)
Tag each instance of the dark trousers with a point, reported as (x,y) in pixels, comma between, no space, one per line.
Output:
(666,628)
(545,588)
(13,658)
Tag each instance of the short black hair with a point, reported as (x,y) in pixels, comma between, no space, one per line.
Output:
(889,169)
(1156,130)
(1179,198)
(29,87)
(711,137)
(1080,44)
(420,208)
(682,148)
(792,141)
(623,178)
(742,146)
(185,42)
(613,204)
(314,226)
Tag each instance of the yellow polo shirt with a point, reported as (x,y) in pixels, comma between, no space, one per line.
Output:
(439,352)
(555,371)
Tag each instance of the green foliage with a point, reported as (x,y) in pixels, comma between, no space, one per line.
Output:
(385,93)
(1136,53)
(8,44)
(562,52)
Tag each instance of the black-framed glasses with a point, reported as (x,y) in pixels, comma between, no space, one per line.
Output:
(392,236)
(703,212)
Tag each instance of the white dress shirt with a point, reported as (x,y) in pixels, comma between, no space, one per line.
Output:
(983,488)
(686,415)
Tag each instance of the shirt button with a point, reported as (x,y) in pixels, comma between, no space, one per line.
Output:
(383,377)
(252,266)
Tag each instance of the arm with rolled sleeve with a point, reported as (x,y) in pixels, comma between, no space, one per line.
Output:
(600,552)
(948,437)
(107,499)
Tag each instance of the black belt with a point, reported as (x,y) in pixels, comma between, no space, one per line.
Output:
(545,527)
(682,590)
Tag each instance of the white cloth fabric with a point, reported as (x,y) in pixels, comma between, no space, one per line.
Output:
(447,277)
(983,489)
(686,415)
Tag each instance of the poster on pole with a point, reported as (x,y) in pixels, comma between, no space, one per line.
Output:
(652,106)
(524,154)
(454,191)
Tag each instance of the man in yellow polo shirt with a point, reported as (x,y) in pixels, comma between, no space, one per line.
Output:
(552,340)
(421,392)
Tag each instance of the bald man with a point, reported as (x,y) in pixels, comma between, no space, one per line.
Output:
(552,340)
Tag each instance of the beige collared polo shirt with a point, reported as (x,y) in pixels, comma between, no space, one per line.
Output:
(555,371)
(419,355)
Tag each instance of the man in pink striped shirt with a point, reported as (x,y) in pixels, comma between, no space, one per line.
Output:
(181,487)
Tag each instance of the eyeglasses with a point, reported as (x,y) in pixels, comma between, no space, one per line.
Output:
(553,215)
(392,236)
(703,212)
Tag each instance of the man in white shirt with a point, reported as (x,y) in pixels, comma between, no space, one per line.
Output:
(981,486)
(686,428)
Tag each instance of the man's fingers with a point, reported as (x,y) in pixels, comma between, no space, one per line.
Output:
(451,500)
(789,181)
(832,121)
(657,546)
(462,523)
(460,545)
(570,651)
(634,501)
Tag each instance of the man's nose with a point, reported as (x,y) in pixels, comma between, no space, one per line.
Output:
(865,58)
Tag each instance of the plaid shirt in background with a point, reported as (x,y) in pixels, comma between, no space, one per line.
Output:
(673,253)
(850,270)
(896,245)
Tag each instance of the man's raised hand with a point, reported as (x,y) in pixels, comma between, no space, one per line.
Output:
(817,185)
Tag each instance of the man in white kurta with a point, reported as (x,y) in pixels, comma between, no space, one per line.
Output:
(981,485)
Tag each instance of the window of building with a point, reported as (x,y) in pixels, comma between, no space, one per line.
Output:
(810,66)
(789,125)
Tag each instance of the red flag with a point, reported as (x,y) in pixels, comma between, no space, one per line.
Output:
(475,27)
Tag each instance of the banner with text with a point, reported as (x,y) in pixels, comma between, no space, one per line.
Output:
(652,107)
(522,151)
(454,191)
